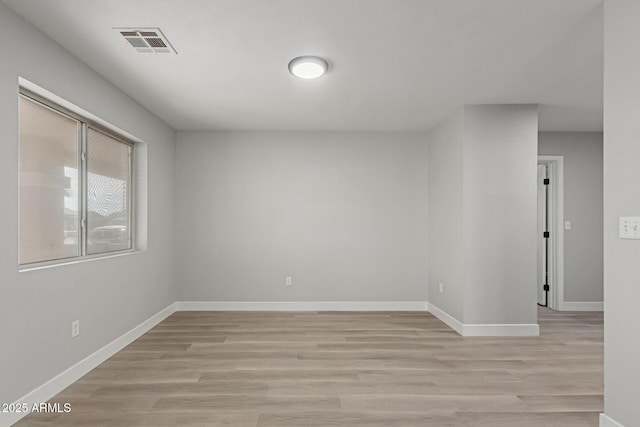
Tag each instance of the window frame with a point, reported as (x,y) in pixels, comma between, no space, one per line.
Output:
(85,123)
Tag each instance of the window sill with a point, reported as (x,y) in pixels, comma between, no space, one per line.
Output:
(59,263)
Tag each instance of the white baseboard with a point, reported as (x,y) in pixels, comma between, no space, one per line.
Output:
(582,306)
(63,380)
(448,319)
(485,330)
(606,421)
(301,306)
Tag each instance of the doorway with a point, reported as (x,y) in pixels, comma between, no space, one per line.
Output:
(550,235)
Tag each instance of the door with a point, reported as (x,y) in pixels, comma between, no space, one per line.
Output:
(542,241)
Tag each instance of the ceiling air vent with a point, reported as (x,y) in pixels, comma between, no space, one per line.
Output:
(146,40)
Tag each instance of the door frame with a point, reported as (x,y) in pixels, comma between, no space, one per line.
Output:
(555,171)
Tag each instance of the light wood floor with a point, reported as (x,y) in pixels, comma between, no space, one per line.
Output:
(342,369)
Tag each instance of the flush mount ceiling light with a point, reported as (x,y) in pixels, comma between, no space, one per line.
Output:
(308,67)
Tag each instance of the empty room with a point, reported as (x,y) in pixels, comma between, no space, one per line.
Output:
(332,213)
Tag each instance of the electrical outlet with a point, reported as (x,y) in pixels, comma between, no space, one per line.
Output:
(75,328)
(441,287)
(288,281)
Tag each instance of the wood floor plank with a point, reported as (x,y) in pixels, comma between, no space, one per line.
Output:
(358,419)
(246,403)
(404,369)
(432,404)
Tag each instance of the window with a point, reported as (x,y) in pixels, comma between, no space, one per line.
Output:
(75,185)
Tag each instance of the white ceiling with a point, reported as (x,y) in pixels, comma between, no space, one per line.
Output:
(395,64)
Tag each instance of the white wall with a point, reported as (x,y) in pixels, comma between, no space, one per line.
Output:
(500,220)
(445,214)
(621,198)
(482,215)
(583,247)
(344,214)
(108,296)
